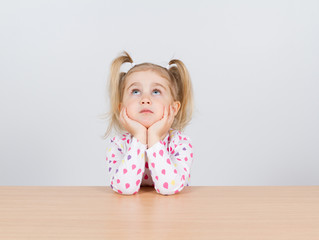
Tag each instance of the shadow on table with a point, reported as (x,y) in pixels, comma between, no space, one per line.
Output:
(147,189)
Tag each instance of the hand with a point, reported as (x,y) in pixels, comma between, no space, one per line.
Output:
(160,128)
(133,127)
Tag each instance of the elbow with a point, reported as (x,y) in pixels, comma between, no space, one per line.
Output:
(125,190)
(169,191)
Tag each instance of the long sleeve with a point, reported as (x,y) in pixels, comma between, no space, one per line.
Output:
(170,166)
(125,164)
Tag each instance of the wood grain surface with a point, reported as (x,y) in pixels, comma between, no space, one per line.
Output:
(197,212)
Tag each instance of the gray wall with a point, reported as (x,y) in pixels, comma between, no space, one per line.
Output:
(254,67)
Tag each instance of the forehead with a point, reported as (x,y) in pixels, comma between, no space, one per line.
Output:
(145,78)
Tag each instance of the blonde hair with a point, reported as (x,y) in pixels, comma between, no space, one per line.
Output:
(180,87)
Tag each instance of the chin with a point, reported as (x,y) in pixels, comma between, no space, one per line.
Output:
(146,124)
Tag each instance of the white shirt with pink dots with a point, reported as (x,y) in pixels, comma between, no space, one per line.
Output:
(165,166)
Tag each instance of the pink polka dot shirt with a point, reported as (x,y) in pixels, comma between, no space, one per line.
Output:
(165,166)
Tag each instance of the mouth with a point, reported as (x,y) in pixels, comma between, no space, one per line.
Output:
(146,111)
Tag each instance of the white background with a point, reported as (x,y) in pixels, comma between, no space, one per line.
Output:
(253,64)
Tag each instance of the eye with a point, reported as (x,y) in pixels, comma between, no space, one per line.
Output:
(134,90)
(156,90)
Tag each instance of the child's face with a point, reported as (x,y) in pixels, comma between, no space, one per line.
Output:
(147,90)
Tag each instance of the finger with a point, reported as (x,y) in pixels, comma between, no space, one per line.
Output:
(121,116)
(169,112)
(166,112)
(172,114)
(124,118)
(124,114)
(121,112)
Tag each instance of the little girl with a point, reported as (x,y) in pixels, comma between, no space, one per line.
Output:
(150,106)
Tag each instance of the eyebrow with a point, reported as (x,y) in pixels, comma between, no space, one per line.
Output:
(155,84)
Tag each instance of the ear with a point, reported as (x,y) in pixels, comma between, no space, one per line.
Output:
(176,106)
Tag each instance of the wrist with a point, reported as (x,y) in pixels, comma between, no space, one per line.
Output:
(141,137)
(152,140)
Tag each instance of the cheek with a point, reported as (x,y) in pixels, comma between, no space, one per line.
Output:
(131,108)
(160,110)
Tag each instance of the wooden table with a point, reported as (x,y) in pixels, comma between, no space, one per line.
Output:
(198,212)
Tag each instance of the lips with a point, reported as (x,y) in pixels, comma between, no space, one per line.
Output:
(146,110)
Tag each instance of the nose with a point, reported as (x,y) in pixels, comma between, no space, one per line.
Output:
(145,100)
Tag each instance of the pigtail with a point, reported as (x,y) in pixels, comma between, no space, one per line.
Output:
(184,93)
(115,90)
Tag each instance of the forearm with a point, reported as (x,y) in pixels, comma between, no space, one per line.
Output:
(126,170)
(169,175)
